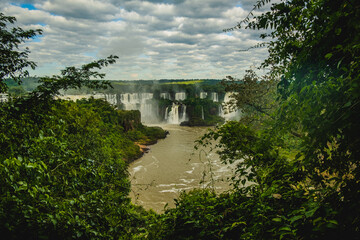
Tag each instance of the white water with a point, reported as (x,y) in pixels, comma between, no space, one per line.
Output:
(227,112)
(143,103)
(132,101)
(183,114)
(173,116)
(165,96)
(203,95)
(166,113)
(180,96)
(111,98)
(214,97)
(149,108)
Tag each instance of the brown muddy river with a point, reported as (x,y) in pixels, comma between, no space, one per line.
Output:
(172,166)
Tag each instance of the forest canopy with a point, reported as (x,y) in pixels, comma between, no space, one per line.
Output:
(296,145)
(298,137)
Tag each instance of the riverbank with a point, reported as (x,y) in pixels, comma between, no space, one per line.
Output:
(144,136)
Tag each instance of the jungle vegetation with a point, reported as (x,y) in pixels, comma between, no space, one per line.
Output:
(296,147)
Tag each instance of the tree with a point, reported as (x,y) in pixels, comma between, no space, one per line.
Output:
(63,165)
(314,49)
(13,60)
(302,162)
(254,95)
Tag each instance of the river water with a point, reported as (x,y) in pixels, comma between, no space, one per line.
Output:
(173,165)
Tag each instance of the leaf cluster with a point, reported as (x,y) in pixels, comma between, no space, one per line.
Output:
(13,60)
(297,173)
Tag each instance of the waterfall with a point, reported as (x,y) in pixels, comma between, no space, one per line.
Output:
(221,111)
(133,101)
(214,97)
(146,110)
(166,113)
(202,112)
(228,97)
(165,96)
(173,117)
(141,102)
(111,98)
(183,114)
(130,101)
(203,95)
(228,113)
(98,96)
(180,96)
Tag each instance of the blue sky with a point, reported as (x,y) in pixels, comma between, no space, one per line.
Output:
(153,39)
(27,6)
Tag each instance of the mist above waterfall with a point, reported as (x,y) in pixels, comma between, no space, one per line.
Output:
(166,101)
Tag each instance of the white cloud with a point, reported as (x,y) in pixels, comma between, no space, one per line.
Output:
(153,39)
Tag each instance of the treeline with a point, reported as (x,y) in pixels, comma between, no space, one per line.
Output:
(63,169)
(63,164)
(296,146)
(191,87)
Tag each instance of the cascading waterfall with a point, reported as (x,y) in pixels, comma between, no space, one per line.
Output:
(98,96)
(146,110)
(214,97)
(130,101)
(141,102)
(149,107)
(173,117)
(111,98)
(165,96)
(203,95)
(180,96)
(166,113)
(183,114)
(221,111)
(227,113)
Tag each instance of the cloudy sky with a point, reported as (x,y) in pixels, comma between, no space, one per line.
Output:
(179,39)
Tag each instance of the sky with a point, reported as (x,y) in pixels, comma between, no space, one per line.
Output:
(178,39)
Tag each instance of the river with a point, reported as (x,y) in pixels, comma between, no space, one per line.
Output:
(173,165)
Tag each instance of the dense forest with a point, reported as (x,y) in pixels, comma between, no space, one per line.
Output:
(63,164)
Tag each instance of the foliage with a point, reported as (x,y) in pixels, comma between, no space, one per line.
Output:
(201,214)
(188,82)
(74,78)
(202,112)
(63,164)
(297,148)
(13,60)
(64,171)
(254,95)
(146,135)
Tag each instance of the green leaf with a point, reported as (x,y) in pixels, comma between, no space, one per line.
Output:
(328,56)
(348,104)
(287,229)
(337,31)
(295,218)
(277,219)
